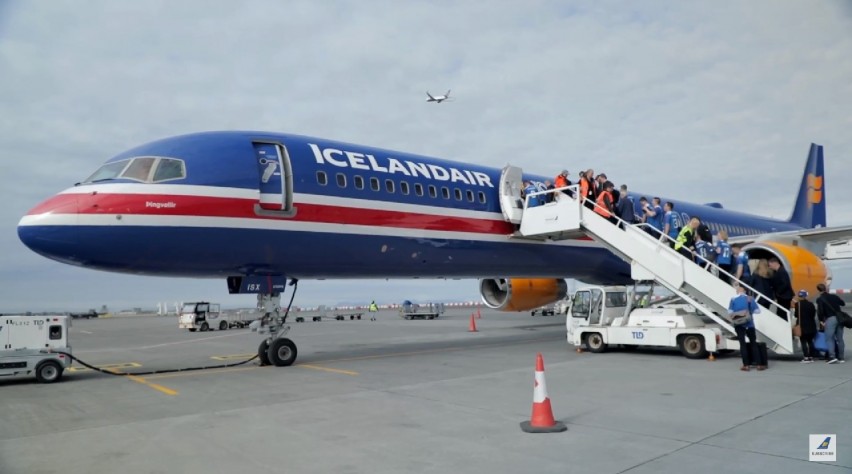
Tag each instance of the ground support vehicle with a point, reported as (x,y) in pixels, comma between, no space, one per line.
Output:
(204,316)
(421,311)
(28,345)
(601,317)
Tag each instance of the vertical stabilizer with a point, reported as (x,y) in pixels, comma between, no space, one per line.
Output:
(809,210)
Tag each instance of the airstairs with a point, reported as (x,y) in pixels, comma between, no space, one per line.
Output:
(650,258)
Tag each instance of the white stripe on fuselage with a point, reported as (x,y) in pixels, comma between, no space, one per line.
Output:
(137,220)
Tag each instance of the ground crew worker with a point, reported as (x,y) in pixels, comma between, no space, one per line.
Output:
(686,238)
(587,190)
(562,181)
(373,308)
(605,203)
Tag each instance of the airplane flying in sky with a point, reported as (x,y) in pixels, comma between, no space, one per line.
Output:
(260,209)
(438,98)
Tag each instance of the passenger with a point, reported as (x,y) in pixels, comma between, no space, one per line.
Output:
(761,281)
(670,227)
(562,181)
(626,207)
(828,306)
(530,188)
(782,287)
(651,216)
(742,272)
(723,256)
(548,186)
(806,321)
(685,242)
(604,203)
(600,181)
(706,251)
(743,305)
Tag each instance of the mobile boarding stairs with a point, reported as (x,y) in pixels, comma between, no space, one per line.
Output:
(650,258)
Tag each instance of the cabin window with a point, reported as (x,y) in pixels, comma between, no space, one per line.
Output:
(445,192)
(457,192)
(168,169)
(481,197)
(470,195)
(403,187)
(139,169)
(374,184)
(341,180)
(433,191)
(322,179)
(418,189)
(359,182)
(389,185)
(55,333)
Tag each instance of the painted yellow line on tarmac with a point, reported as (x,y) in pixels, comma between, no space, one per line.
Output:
(232,356)
(157,387)
(203,372)
(110,367)
(327,369)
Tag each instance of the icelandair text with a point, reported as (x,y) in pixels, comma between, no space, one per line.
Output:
(360,161)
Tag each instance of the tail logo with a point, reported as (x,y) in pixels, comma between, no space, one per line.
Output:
(814,189)
(825,444)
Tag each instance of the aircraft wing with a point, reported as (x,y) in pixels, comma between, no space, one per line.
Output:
(827,242)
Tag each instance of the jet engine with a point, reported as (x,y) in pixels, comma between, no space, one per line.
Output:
(805,268)
(521,294)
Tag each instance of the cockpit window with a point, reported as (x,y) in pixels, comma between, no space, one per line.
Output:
(147,169)
(108,171)
(139,169)
(169,168)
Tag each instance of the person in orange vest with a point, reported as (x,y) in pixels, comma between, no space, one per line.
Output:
(605,202)
(562,181)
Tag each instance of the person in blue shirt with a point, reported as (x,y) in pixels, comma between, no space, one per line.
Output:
(656,217)
(670,227)
(741,270)
(744,304)
(530,188)
(724,256)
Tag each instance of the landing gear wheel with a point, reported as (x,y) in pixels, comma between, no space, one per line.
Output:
(263,352)
(205,327)
(48,371)
(282,352)
(595,343)
(223,325)
(692,347)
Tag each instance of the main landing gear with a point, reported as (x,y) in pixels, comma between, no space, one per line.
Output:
(276,349)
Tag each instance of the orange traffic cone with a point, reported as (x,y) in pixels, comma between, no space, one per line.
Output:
(472,326)
(542,414)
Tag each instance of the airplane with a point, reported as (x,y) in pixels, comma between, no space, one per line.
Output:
(264,210)
(439,98)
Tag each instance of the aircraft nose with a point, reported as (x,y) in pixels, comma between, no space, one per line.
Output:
(50,228)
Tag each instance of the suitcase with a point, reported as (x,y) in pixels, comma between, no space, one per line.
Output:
(762,358)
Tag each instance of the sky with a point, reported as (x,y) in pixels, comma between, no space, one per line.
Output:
(701,101)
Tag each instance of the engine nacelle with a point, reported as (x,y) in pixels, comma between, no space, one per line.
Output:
(521,294)
(805,268)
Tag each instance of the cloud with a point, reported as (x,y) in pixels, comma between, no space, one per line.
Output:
(703,102)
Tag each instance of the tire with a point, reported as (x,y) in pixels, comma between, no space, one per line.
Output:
(282,352)
(692,346)
(595,343)
(300,320)
(191,329)
(532,313)
(48,371)
(205,327)
(263,352)
(223,325)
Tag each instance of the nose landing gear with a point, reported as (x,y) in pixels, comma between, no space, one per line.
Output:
(275,350)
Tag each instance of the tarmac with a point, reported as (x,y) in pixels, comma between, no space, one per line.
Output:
(395,396)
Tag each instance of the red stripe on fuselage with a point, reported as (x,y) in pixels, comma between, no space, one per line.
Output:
(207,206)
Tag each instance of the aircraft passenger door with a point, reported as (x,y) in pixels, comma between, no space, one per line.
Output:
(511,202)
(275,179)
